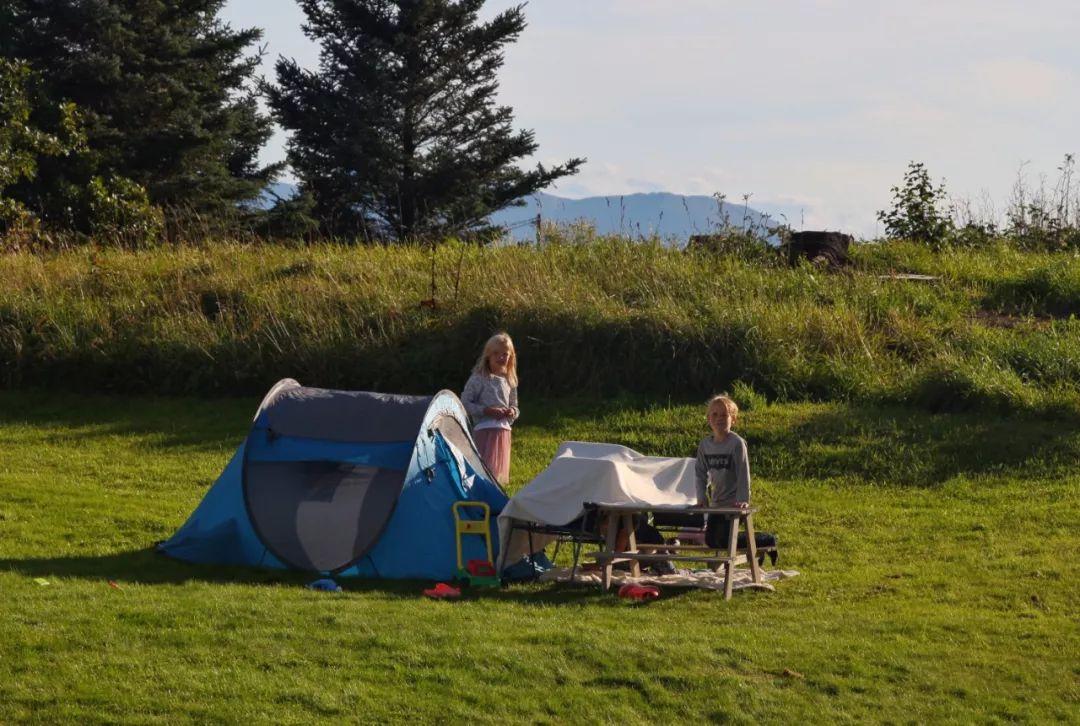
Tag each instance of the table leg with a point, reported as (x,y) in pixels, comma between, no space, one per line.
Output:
(532,556)
(719,547)
(733,542)
(631,544)
(751,548)
(612,535)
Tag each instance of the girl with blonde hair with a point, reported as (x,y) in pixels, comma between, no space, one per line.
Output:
(491,399)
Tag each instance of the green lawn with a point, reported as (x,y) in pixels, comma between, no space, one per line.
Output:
(938,558)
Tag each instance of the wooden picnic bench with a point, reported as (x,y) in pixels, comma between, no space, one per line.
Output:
(621,516)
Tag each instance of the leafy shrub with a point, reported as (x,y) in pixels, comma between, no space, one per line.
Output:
(121,213)
(22,144)
(974,235)
(118,209)
(919,211)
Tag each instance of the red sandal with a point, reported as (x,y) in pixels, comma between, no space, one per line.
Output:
(639,592)
(442,591)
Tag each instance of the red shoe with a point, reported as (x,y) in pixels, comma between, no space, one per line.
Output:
(639,592)
(441,591)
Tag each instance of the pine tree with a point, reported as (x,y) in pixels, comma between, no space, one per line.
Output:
(164,91)
(397,135)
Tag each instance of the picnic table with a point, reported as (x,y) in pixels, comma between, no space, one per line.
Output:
(620,516)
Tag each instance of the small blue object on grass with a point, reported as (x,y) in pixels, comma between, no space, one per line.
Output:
(528,568)
(325,585)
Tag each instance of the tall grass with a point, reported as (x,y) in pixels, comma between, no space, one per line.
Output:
(996,330)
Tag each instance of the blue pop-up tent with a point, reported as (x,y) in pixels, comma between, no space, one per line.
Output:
(345,483)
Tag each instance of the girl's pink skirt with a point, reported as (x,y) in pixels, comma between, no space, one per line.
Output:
(494,447)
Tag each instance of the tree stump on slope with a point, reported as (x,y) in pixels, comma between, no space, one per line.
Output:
(827,249)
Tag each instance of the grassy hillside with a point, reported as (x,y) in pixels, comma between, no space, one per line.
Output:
(997,331)
(937,584)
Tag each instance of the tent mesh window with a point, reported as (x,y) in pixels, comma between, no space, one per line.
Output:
(319,515)
(451,430)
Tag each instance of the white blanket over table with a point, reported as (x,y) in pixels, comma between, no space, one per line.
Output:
(586,472)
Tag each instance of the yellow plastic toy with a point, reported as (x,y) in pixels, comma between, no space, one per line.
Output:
(479,527)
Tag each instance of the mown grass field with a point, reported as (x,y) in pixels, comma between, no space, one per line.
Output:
(938,556)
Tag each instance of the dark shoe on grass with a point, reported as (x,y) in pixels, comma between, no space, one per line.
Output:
(664,567)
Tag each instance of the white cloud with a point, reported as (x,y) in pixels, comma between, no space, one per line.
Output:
(1011,81)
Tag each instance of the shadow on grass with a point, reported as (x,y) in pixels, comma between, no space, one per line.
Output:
(210,424)
(874,444)
(145,567)
(165,423)
(148,567)
(906,447)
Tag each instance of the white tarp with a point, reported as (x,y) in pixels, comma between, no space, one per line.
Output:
(585,472)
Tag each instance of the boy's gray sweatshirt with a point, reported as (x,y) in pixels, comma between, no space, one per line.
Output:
(725,467)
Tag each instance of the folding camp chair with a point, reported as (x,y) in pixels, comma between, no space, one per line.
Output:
(578,533)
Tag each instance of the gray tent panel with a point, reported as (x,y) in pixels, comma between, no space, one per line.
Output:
(319,413)
(317,515)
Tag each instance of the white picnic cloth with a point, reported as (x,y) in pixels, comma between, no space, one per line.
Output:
(590,472)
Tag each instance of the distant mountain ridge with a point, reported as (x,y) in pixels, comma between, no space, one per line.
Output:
(671,217)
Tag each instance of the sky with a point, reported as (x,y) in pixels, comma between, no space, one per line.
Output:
(815,107)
